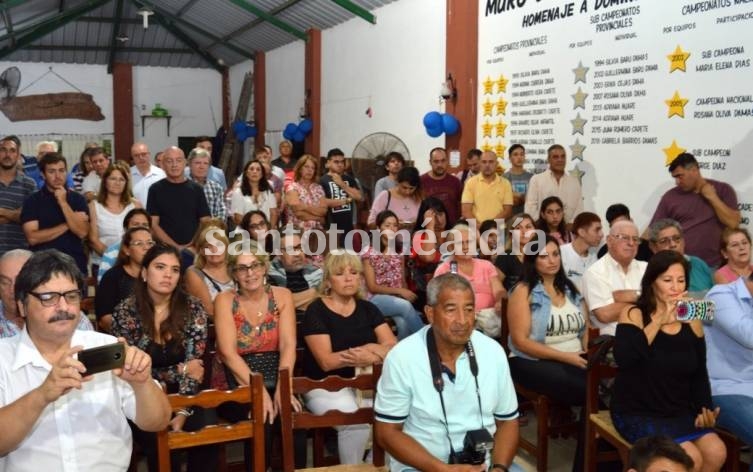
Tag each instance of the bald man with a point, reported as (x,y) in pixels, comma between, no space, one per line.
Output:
(143,172)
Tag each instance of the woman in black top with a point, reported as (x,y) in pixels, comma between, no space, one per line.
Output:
(510,264)
(662,386)
(117,283)
(343,332)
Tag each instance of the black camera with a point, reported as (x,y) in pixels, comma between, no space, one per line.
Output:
(475,446)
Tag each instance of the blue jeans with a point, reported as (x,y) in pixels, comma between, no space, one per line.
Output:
(406,318)
(736,415)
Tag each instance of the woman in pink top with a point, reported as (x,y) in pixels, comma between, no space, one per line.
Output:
(404,199)
(482,274)
(736,251)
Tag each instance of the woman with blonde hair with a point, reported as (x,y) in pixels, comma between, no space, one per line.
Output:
(305,202)
(210,274)
(255,326)
(107,211)
(736,251)
(342,332)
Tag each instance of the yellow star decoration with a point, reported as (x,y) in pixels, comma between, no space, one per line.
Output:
(672,152)
(488,86)
(502,84)
(499,149)
(499,129)
(501,106)
(488,105)
(677,59)
(486,146)
(487,129)
(676,105)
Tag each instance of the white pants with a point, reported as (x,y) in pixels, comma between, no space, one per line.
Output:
(351,439)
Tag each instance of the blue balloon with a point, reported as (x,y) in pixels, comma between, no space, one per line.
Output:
(306,126)
(434,132)
(238,127)
(450,124)
(299,136)
(433,119)
(290,130)
(251,131)
(241,135)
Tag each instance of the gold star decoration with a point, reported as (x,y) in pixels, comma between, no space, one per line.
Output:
(672,152)
(579,124)
(576,150)
(499,149)
(676,105)
(499,128)
(580,73)
(486,129)
(488,86)
(677,59)
(486,146)
(577,173)
(487,107)
(502,84)
(501,106)
(579,98)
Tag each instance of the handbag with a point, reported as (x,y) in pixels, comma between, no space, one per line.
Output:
(265,363)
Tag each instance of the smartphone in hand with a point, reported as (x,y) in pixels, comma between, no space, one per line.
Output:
(102,358)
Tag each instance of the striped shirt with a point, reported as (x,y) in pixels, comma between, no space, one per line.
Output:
(12,197)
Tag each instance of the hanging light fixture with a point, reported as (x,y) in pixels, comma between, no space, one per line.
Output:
(145,13)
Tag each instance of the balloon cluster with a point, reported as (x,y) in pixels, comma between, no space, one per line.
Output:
(298,132)
(437,123)
(244,130)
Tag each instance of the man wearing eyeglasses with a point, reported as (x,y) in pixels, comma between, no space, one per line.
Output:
(443,384)
(294,271)
(54,416)
(666,235)
(177,205)
(614,281)
(11,321)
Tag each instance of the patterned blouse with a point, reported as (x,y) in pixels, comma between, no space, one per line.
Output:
(127,323)
(262,338)
(308,195)
(388,269)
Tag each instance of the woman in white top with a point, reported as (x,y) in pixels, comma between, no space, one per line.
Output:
(107,211)
(548,332)
(254,193)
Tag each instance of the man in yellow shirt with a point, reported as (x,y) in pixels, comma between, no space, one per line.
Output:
(487,196)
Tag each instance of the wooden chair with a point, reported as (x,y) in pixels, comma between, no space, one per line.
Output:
(291,420)
(251,429)
(599,422)
(542,407)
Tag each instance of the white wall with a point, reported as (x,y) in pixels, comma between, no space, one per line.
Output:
(395,66)
(185,93)
(285,84)
(192,96)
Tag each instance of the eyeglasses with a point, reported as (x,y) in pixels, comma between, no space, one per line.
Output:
(669,239)
(173,162)
(147,244)
(255,226)
(72,297)
(253,267)
(626,238)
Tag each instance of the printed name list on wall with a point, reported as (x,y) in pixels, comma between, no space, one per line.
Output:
(624,86)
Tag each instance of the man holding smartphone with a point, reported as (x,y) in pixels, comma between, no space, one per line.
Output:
(54,416)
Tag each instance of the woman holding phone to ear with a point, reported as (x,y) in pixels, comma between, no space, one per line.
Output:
(171,326)
(662,385)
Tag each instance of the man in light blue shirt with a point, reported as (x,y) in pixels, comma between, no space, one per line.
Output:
(410,423)
(729,343)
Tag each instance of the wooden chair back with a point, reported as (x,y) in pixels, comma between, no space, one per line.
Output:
(291,420)
(251,429)
(599,422)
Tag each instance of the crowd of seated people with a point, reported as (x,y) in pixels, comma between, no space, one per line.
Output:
(162,296)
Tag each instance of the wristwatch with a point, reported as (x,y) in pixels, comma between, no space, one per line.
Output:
(501,467)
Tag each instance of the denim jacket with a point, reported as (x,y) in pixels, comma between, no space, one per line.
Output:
(541,310)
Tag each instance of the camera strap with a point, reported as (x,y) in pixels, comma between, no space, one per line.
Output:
(436,374)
